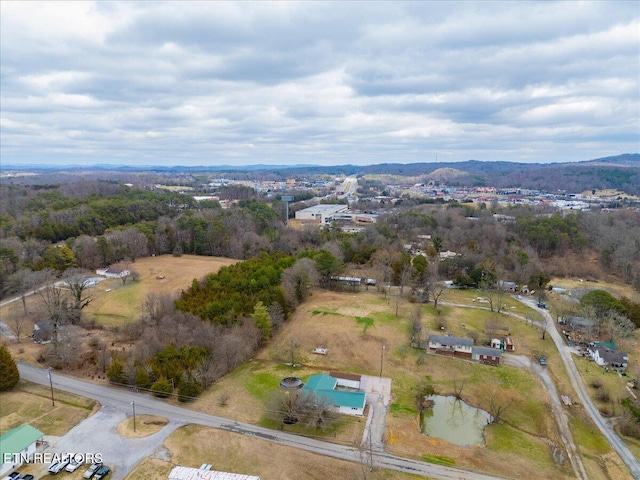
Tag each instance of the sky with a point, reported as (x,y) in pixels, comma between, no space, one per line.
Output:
(323,83)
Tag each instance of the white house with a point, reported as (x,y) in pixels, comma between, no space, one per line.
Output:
(323,388)
(112,272)
(607,357)
(17,446)
(449,345)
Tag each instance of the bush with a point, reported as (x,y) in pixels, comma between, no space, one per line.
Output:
(142,379)
(188,390)
(115,372)
(629,426)
(596,383)
(162,388)
(603,396)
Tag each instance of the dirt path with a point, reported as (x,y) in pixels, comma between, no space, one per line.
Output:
(556,408)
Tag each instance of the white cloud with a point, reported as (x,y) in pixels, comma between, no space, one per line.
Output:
(317,82)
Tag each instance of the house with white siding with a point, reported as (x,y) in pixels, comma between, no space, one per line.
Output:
(450,345)
(17,447)
(325,389)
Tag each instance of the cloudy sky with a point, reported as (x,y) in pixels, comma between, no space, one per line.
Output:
(207,83)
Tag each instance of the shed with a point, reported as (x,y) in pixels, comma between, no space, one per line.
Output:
(17,446)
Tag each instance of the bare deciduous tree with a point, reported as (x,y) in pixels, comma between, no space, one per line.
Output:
(78,283)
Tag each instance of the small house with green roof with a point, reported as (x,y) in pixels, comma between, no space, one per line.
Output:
(17,446)
(323,387)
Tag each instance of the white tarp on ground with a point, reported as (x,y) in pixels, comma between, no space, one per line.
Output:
(187,473)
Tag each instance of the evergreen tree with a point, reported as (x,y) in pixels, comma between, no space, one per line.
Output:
(9,375)
(162,388)
(115,372)
(263,320)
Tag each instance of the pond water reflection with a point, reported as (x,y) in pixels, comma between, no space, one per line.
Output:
(454,421)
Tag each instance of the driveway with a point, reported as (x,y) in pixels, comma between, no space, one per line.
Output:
(378,393)
(556,408)
(97,434)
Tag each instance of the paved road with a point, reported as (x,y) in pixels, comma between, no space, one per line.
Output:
(121,399)
(576,381)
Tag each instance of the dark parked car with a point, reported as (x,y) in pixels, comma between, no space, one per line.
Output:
(543,361)
(542,305)
(28,477)
(14,476)
(102,472)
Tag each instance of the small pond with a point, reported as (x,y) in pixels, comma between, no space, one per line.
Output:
(454,421)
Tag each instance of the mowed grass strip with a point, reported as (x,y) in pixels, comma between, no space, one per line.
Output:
(30,403)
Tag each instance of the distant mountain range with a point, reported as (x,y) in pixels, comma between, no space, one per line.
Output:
(621,172)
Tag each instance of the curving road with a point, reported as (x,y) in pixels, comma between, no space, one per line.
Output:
(576,381)
(121,399)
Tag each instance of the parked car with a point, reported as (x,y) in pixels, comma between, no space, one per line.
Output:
(28,477)
(14,476)
(73,465)
(91,471)
(542,360)
(542,305)
(102,472)
(57,467)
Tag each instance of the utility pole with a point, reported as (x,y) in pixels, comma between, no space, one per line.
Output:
(53,403)
(133,404)
(382,357)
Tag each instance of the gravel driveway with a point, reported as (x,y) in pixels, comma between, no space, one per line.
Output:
(97,434)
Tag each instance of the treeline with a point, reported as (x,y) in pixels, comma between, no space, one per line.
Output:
(51,216)
(233,291)
(215,325)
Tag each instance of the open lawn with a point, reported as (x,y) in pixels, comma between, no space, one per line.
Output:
(192,446)
(113,303)
(163,274)
(30,403)
(353,328)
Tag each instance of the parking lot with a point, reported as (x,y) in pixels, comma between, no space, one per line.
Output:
(97,435)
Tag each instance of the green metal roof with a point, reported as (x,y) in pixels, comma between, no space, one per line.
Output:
(609,345)
(320,381)
(16,440)
(322,386)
